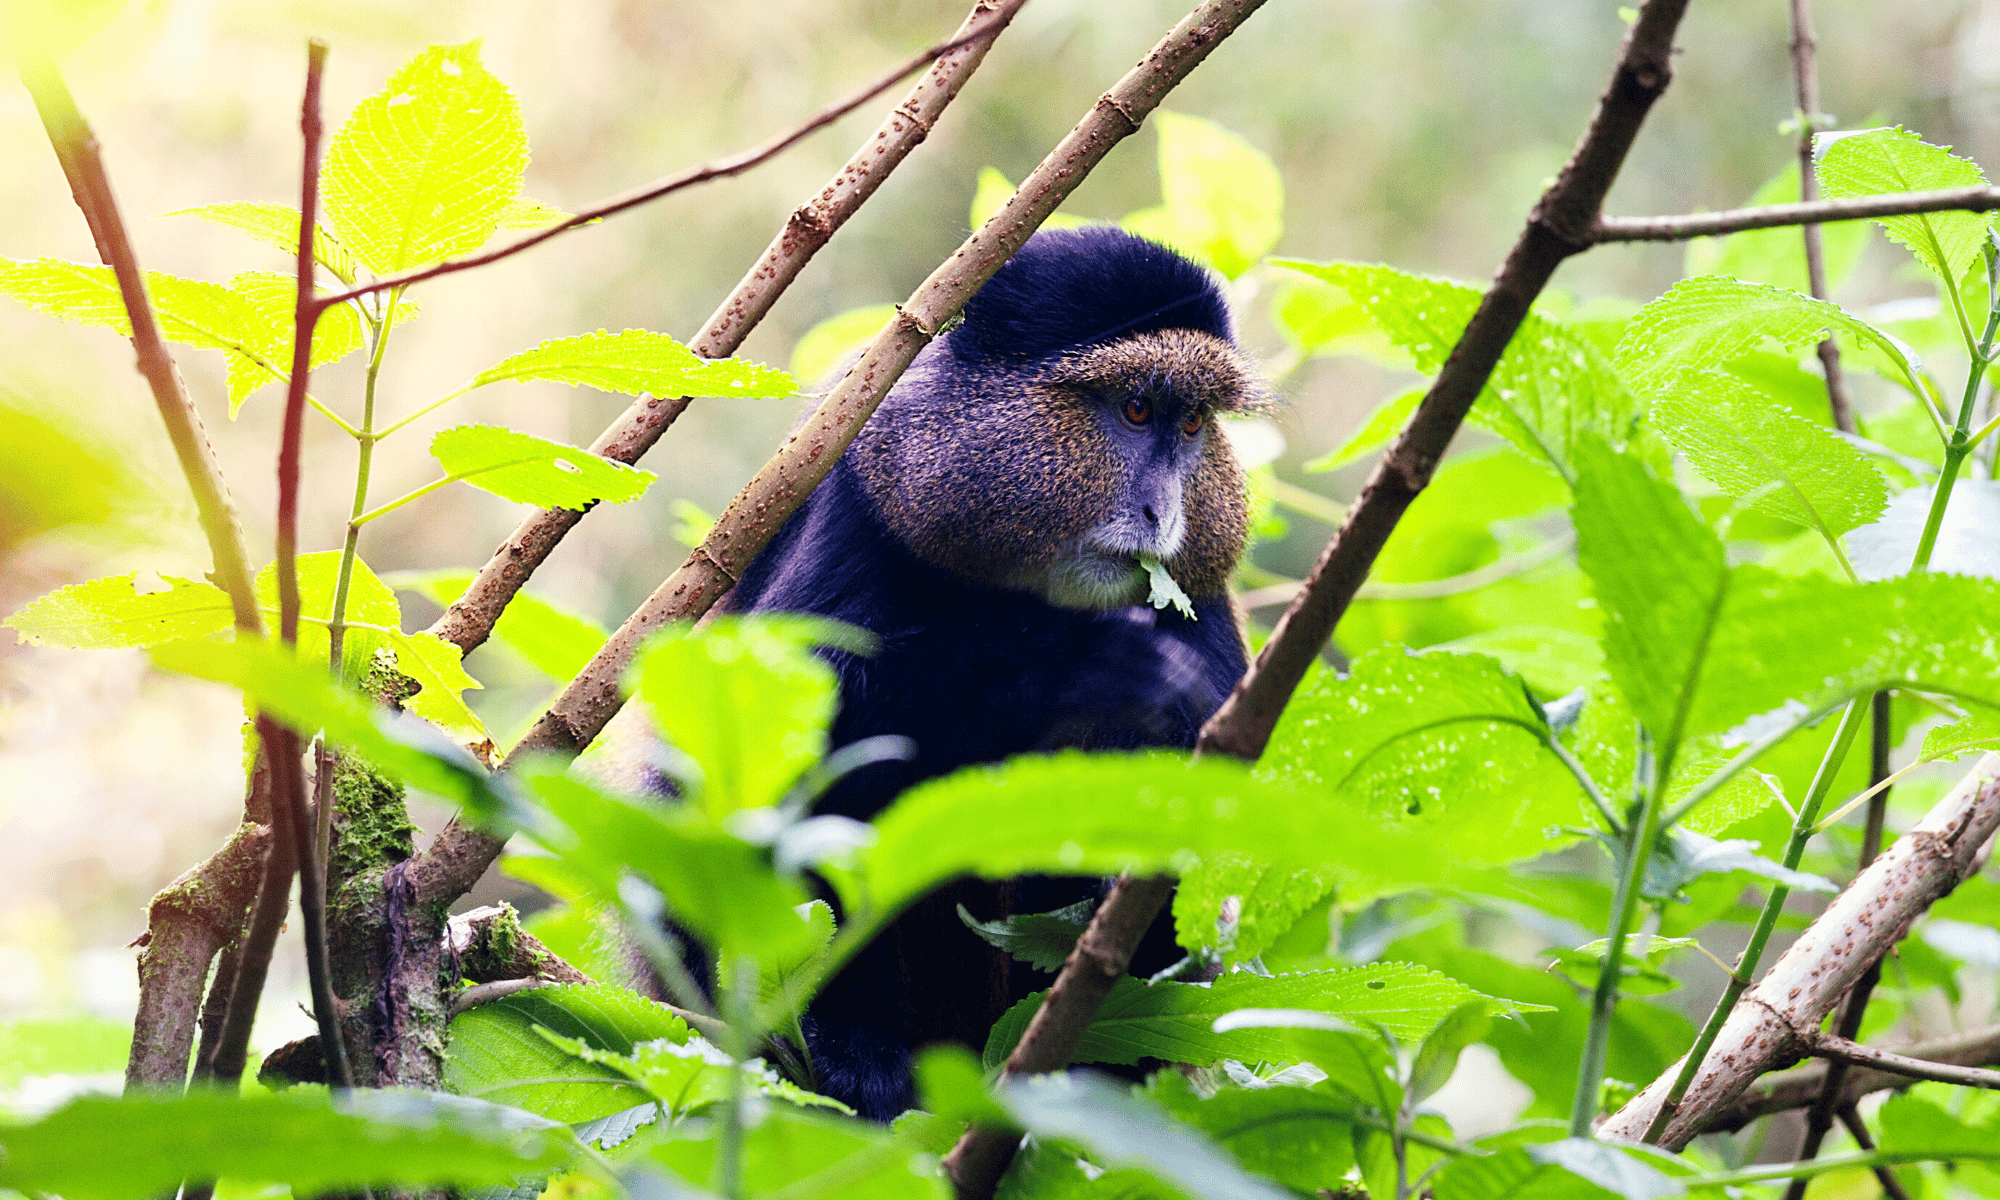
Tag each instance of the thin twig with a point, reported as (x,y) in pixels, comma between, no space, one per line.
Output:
(1783,1091)
(281,758)
(469,620)
(721,168)
(1561,225)
(1839,1049)
(83,165)
(459,854)
(1805,89)
(1772,216)
(312,870)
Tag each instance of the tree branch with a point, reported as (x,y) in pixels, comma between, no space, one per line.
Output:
(1769,1023)
(1772,216)
(469,620)
(721,168)
(1845,1050)
(459,853)
(1562,224)
(83,165)
(186,924)
(1093,967)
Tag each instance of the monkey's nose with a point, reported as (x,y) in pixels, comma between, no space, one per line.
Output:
(1151,516)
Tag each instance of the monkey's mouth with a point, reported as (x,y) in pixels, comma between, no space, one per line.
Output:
(1090,574)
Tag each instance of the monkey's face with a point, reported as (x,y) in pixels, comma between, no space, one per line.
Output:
(1056,477)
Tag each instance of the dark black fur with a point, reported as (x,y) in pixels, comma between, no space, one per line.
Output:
(974,673)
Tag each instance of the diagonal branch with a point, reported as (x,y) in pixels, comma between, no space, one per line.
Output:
(1562,224)
(83,165)
(1768,1026)
(721,168)
(459,854)
(470,618)
(1772,216)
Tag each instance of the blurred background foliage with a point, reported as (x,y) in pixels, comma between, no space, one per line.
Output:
(1415,132)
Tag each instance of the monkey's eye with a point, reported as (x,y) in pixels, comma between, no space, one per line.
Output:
(1138,409)
(1192,423)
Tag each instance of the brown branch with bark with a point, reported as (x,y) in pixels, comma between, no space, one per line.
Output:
(722,168)
(1562,224)
(469,620)
(1092,969)
(1681,227)
(1801,1087)
(1839,1050)
(1774,1021)
(460,853)
(1805,89)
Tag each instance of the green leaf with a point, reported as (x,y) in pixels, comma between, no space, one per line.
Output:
(1896,160)
(301,694)
(635,361)
(429,166)
(1123,1129)
(1554,662)
(555,641)
(1681,856)
(1775,256)
(1551,387)
(1042,940)
(1301,1137)
(1224,200)
(524,213)
(267,356)
(116,1148)
(371,609)
(61,1046)
(530,470)
(790,1152)
(688,1077)
(1710,321)
(1645,976)
(1512,1175)
(827,343)
(1774,461)
(1176,1021)
(1437,1058)
(497,1055)
(276,225)
(1233,906)
(605,838)
(250,320)
(1073,813)
(438,668)
(1361,1064)
(746,698)
(1162,590)
(1446,748)
(111,613)
(1661,579)
(950,1084)
(1960,738)
(1382,424)
(1616,1169)
(1321,319)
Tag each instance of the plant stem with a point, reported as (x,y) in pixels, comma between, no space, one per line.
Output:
(1645,829)
(736,1002)
(1767,920)
(1961,442)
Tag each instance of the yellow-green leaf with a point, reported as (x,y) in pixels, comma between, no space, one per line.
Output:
(531,470)
(438,668)
(112,613)
(276,225)
(1896,160)
(638,360)
(428,167)
(1224,202)
(554,640)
